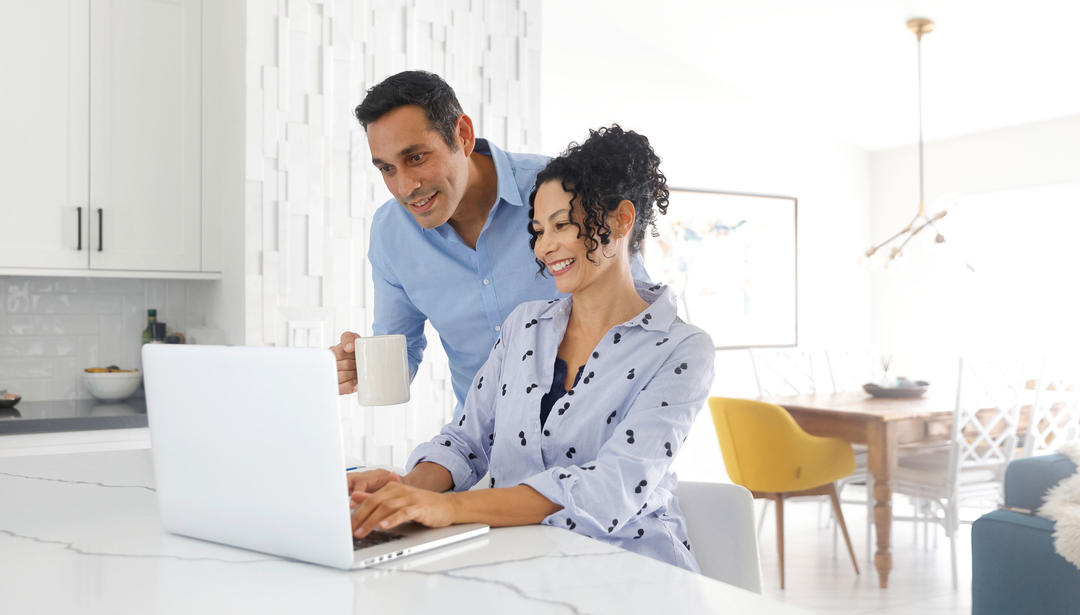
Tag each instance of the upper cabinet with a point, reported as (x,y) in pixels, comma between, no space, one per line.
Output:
(103,136)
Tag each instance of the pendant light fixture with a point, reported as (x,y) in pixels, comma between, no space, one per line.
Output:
(920,26)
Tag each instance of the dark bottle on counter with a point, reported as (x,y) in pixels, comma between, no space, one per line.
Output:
(148,332)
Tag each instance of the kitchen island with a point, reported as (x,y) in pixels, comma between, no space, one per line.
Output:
(80,533)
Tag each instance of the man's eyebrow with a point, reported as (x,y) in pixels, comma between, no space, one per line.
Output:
(405,152)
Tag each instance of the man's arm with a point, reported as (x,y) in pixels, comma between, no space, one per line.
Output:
(394,312)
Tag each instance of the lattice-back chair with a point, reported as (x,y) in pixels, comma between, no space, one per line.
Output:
(1055,412)
(982,442)
(780,372)
(849,369)
(990,394)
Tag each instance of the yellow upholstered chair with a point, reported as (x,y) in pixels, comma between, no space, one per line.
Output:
(767,452)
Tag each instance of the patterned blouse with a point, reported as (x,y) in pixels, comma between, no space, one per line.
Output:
(604,453)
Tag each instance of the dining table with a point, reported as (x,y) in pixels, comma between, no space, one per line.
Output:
(883,425)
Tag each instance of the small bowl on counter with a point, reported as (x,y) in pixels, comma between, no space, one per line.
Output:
(8,400)
(111,384)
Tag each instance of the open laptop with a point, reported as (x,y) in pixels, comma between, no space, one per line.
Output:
(247,451)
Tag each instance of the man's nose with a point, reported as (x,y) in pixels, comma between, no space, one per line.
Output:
(407,184)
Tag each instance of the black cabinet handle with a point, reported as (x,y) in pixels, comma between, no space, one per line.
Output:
(99,231)
(78,245)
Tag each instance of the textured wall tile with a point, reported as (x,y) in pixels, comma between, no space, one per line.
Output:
(319,188)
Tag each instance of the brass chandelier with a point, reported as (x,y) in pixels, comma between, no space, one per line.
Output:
(919,26)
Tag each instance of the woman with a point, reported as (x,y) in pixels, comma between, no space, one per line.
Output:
(584,402)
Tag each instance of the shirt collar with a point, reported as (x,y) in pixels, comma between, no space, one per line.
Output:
(504,172)
(658,316)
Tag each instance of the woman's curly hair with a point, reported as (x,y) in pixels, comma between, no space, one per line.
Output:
(611,166)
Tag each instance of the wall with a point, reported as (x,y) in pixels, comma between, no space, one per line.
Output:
(52,328)
(916,303)
(311,189)
(711,137)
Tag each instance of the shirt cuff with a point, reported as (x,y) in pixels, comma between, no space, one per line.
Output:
(460,471)
(549,485)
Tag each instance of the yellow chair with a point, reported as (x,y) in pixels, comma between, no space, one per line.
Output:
(767,452)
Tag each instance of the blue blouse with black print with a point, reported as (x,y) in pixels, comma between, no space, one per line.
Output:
(605,451)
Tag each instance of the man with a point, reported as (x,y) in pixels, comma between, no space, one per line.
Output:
(452,246)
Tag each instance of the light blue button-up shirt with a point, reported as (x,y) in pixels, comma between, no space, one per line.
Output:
(432,274)
(605,452)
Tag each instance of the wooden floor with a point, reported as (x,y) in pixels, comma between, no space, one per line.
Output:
(821,579)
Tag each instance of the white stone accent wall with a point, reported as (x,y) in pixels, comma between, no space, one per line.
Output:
(310,186)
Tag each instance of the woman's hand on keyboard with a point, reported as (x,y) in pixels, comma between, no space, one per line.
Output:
(370,481)
(395,503)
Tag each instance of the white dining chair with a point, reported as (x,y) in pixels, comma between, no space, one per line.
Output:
(982,442)
(779,372)
(720,522)
(783,371)
(1055,413)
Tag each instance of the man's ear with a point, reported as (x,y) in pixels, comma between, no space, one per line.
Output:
(465,135)
(625,214)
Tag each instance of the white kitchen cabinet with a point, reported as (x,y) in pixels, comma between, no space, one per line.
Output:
(107,132)
(44,123)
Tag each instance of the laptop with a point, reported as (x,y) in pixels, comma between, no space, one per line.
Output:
(247,451)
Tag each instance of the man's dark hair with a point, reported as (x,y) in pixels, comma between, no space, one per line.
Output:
(611,166)
(414,87)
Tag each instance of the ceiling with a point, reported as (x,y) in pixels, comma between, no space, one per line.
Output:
(848,66)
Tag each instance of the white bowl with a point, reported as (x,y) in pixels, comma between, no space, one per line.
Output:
(112,386)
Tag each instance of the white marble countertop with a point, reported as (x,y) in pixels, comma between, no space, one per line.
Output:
(80,533)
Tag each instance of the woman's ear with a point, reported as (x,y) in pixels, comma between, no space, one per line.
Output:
(624,218)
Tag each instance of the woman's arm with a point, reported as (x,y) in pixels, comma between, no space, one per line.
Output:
(429,476)
(397,503)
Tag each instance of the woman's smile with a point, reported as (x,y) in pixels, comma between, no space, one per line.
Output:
(560,267)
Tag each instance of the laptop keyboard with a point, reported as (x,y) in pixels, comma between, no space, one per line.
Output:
(375,538)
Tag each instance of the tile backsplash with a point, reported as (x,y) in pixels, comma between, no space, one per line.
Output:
(52,328)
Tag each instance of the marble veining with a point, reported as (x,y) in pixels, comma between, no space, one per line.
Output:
(80,532)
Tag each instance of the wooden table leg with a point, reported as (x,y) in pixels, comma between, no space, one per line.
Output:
(881,450)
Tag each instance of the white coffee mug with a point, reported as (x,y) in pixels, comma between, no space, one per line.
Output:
(382,370)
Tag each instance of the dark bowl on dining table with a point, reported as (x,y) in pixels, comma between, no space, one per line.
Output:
(905,392)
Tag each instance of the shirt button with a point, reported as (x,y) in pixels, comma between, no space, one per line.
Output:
(497,327)
(486,281)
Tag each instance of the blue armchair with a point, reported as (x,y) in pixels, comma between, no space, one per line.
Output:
(1014,566)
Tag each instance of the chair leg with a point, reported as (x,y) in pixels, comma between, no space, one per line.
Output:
(952,518)
(780,534)
(761,519)
(870,519)
(839,513)
(917,513)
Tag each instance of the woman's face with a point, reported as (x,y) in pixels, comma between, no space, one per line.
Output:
(559,246)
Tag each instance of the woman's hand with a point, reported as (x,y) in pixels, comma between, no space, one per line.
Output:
(395,503)
(370,481)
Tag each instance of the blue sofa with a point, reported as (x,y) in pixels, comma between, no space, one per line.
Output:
(1014,566)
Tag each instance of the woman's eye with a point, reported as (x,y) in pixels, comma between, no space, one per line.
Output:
(561,225)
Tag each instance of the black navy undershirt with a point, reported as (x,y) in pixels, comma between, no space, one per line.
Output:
(558,388)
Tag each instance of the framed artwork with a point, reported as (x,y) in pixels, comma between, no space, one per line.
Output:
(731,259)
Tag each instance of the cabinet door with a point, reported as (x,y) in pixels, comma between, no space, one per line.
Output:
(44,127)
(145,134)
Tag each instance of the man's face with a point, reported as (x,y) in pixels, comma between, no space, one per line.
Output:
(423,173)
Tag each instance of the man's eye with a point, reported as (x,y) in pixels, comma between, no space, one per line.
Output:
(384,169)
(416,157)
